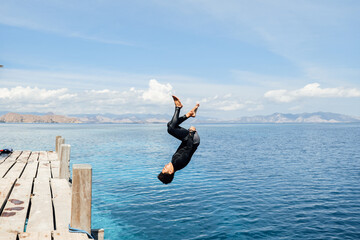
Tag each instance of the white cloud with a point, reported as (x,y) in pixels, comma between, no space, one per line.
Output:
(37,94)
(155,99)
(231,106)
(28,99)
(229,103)
(309,91)
(157,92)
(104,91)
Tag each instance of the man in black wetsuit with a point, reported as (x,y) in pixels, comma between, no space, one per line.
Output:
(190,140)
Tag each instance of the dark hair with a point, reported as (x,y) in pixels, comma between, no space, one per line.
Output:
(165,178)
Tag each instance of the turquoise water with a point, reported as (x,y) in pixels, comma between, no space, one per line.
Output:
(244,182)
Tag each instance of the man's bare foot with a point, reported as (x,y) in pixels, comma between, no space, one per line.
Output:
(177,101)
(192,112)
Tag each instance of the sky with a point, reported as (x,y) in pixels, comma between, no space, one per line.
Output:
(236,57)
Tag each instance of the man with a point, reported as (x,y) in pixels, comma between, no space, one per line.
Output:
(190,140)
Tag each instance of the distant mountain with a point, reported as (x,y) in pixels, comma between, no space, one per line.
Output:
(123,118)
(317,117)
(30,118)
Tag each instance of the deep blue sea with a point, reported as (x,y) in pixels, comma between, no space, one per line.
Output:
(286,181)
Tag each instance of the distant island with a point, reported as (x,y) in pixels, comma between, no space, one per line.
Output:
(317,117)
(31,118)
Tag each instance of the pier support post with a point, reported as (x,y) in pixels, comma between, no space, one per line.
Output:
(81,197)
(98,234)
(60,141)
(57,144)
(64,170)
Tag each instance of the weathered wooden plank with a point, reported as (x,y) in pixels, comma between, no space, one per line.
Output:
(5,187)
(41,188)
(14,155)
(61,191)
(44,171)
(8,236)
(61,235)
(15,171)
(24,156)
(43,157)
(52,156)
(3,157)
(35,236)
(33,157)
(41,214)
(55,168)
(5,166)
(30,170)
(13,217)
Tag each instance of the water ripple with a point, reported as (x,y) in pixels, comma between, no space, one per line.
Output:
(244,182)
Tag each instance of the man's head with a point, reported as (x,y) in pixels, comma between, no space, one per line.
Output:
(166,178)
(167,173)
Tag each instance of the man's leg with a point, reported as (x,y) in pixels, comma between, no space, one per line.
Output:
(177,119)
(173,126)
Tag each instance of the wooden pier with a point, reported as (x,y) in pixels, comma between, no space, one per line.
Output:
(37,200)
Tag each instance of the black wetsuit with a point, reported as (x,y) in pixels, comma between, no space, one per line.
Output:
(189,141)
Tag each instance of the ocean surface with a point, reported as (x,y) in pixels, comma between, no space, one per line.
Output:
(286,181)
